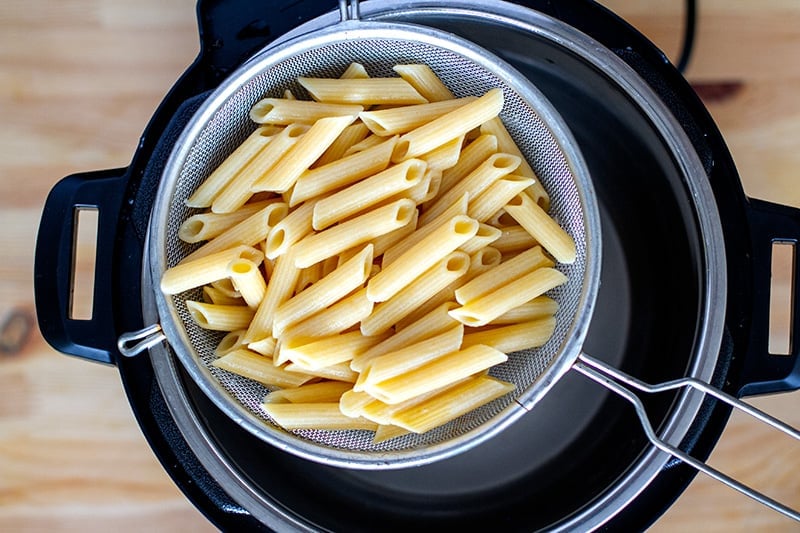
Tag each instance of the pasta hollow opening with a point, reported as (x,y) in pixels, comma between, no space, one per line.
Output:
(296,130)
(464,227)
(404,213)
(230,341)
(517,200)
(504,161)
(415,172)
(191,229)
(488,257)
(457,263)
(275,239)
(241,267)
(401,150)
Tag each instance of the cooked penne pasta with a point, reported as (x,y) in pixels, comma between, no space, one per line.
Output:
(230,342)
(202,271)
(259,368)
(370,141)
(539,307)
(239,189)
(352,403)
(403,119)
(495,167)
(514,337)
(496,196)
(439,373)
(352,135)
(420,257)
(308,276)
(211,186)
(542,227)
(353,232)
(444,156)
(340,372)
(507,271)
(213,295)
(505,143)
(340,316)
(343,172)
(292,228)
(472,155)
(366,193)
(485,236)
(388,432)
(482,310)
(282,112)
(354,71)
(248,281)
(219,317)
(279,289)
(321,352)
(302,154)
(362,91)
(388,313)
(395,237)
(325,292)
(514,239)
(322,392)
(448,126)
(326,416)
(451,404)
(248,232)
(425,81)
(265,346)
(205,226)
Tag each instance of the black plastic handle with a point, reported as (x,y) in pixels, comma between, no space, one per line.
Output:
(94,338)
(765,372)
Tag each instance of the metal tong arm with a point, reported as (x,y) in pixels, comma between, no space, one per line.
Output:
(610,377)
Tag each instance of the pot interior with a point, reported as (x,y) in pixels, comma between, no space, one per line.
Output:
(579,440)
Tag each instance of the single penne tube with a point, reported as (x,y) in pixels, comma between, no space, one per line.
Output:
(420,257)
(259,368)
(219,317)
(382,243)
(321,416)
(213,295)
(302,154)
(501,220)
(352,402)
(437,374)
(342,172)
(451,404)
(507,271)
(282,112)
(514,337)
(433,323)
(353,71)
(424,190)
(340,372)
(239,189)
(448,126)
(227,170)
(411,357)
(505,143)
(485,236)
(248,281)
(353,232)
(340,316)
(319,352)
(325,292)
(476,182)
(362,91)
(483,310)
(230,342)
(248,232)
(539,307)
(496,196)
(204,270)
(458,207)
(370,141)
(279,289)
(388,313)
(382,413)
(289,230)
(352,134)
(366,193)
(265,346)
(444,156)
(514,239)
(542,227)
(472,155)
(308,276)
(388,432)
(322,392)
(205,226)
(225,285)
(406,118)
(425,81)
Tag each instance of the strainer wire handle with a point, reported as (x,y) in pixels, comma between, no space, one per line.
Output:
(610,378)
(349,10)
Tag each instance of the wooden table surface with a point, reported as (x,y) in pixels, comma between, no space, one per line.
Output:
(78,82)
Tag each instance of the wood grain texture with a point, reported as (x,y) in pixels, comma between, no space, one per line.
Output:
(78,82)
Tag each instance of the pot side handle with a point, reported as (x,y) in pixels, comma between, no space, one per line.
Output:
(93,338)
(765,372)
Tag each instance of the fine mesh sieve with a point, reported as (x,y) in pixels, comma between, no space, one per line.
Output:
(223,123)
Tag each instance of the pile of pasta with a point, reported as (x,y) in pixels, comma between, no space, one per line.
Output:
(372,252)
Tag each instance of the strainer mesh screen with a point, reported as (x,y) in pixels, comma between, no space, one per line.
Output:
(230,125)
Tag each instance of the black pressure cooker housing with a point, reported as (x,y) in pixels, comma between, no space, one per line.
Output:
(231,31)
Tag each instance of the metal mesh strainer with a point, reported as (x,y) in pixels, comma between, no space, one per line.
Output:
(223,123)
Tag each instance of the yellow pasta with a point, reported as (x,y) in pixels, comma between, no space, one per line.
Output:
(205,226)
(259,368)
(322,392)
(425,81)
(230,342)
(279,289)
(353,232)
(265,346)
(539,307)
(219,317)
(514,337)
(542,227)
(354,71)
(403,119)
(289,230)
(340,372)
(362,91)
(496,196)
(321,352)
(367,192)
(472,155)
(213,295)
(190,274)
(340,316)
(227,170)
(282,112)
(514,239)
(352,135)
(248,281)
(294,416)
(485,236)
